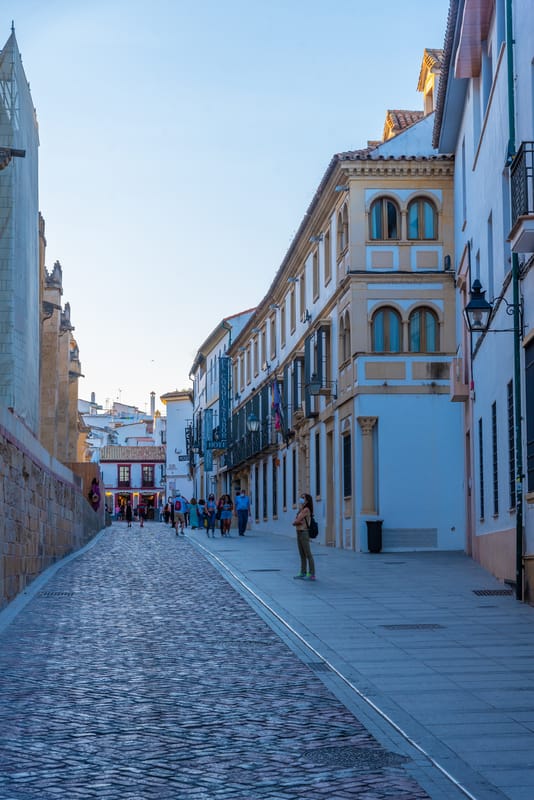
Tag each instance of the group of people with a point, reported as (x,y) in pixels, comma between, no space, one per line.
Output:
(130,514)
(208,514)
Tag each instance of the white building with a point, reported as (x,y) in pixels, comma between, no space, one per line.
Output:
(178,467)
(212,394)
(485,116)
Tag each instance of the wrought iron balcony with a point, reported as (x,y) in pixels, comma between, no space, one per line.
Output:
(522,189)
(252,443)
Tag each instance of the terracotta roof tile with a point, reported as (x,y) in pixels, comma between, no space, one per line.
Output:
(398,120)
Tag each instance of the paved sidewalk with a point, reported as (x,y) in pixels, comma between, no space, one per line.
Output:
(137,671)
(454,670)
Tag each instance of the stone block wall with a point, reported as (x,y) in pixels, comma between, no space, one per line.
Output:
(45,514)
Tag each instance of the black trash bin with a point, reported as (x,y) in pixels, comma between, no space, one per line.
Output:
(374,535)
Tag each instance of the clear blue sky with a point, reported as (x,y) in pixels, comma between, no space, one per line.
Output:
(181,144)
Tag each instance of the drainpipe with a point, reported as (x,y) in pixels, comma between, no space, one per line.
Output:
(518,333)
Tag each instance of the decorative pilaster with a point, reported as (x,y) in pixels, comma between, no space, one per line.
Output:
(367,425)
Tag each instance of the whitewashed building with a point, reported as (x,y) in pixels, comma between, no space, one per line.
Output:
(485,117)
(178,465)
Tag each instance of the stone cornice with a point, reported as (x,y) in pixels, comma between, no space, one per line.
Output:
(400,168)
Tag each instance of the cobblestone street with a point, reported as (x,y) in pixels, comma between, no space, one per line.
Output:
(139,672)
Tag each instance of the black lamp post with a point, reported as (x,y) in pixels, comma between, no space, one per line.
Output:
(477,315)
(477,312)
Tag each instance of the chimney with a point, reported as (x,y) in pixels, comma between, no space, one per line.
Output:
(93,398)
(152,403)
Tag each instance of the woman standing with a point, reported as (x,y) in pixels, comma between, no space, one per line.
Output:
(226,508)
(211,510)
(129,514)
(302,524)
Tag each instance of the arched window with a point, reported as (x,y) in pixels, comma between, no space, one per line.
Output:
(386,331)
(342,230)
(384,219)
(422,219)
(424,331)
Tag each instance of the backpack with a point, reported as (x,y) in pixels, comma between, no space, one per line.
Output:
(313,528)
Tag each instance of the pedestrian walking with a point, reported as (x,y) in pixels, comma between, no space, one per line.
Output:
(202,517)
(193,513)
(302,524)
(211,511)
(226,507)
(242,510)
(128,514)
(166,513)
(179,513)
(142,513)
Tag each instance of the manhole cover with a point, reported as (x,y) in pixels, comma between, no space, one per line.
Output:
(492,592)
(362,758)
(56,594)
(421,627)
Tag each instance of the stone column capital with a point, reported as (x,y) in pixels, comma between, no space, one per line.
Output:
(367,424)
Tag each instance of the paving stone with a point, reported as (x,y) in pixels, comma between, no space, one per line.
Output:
(141,673)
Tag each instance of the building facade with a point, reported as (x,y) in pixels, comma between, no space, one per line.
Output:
(134,475)
(485,117)
(178,465)
(340,382)
(19,244)
(212,399)
(60,369)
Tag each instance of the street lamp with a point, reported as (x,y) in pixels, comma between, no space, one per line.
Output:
(477,315)
(253,423)
(316,384)
(478,311)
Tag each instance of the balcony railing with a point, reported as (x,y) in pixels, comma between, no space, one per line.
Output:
(522,177)
(252,443)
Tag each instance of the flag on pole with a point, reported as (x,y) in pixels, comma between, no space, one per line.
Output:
(276,405)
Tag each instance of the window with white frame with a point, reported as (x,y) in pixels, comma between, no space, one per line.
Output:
(292,310)
(248,365)
(256,355)
(272,336)
(302,292)
(327,257)
(315,274)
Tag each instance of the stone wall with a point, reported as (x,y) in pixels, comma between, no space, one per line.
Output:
(45,514)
